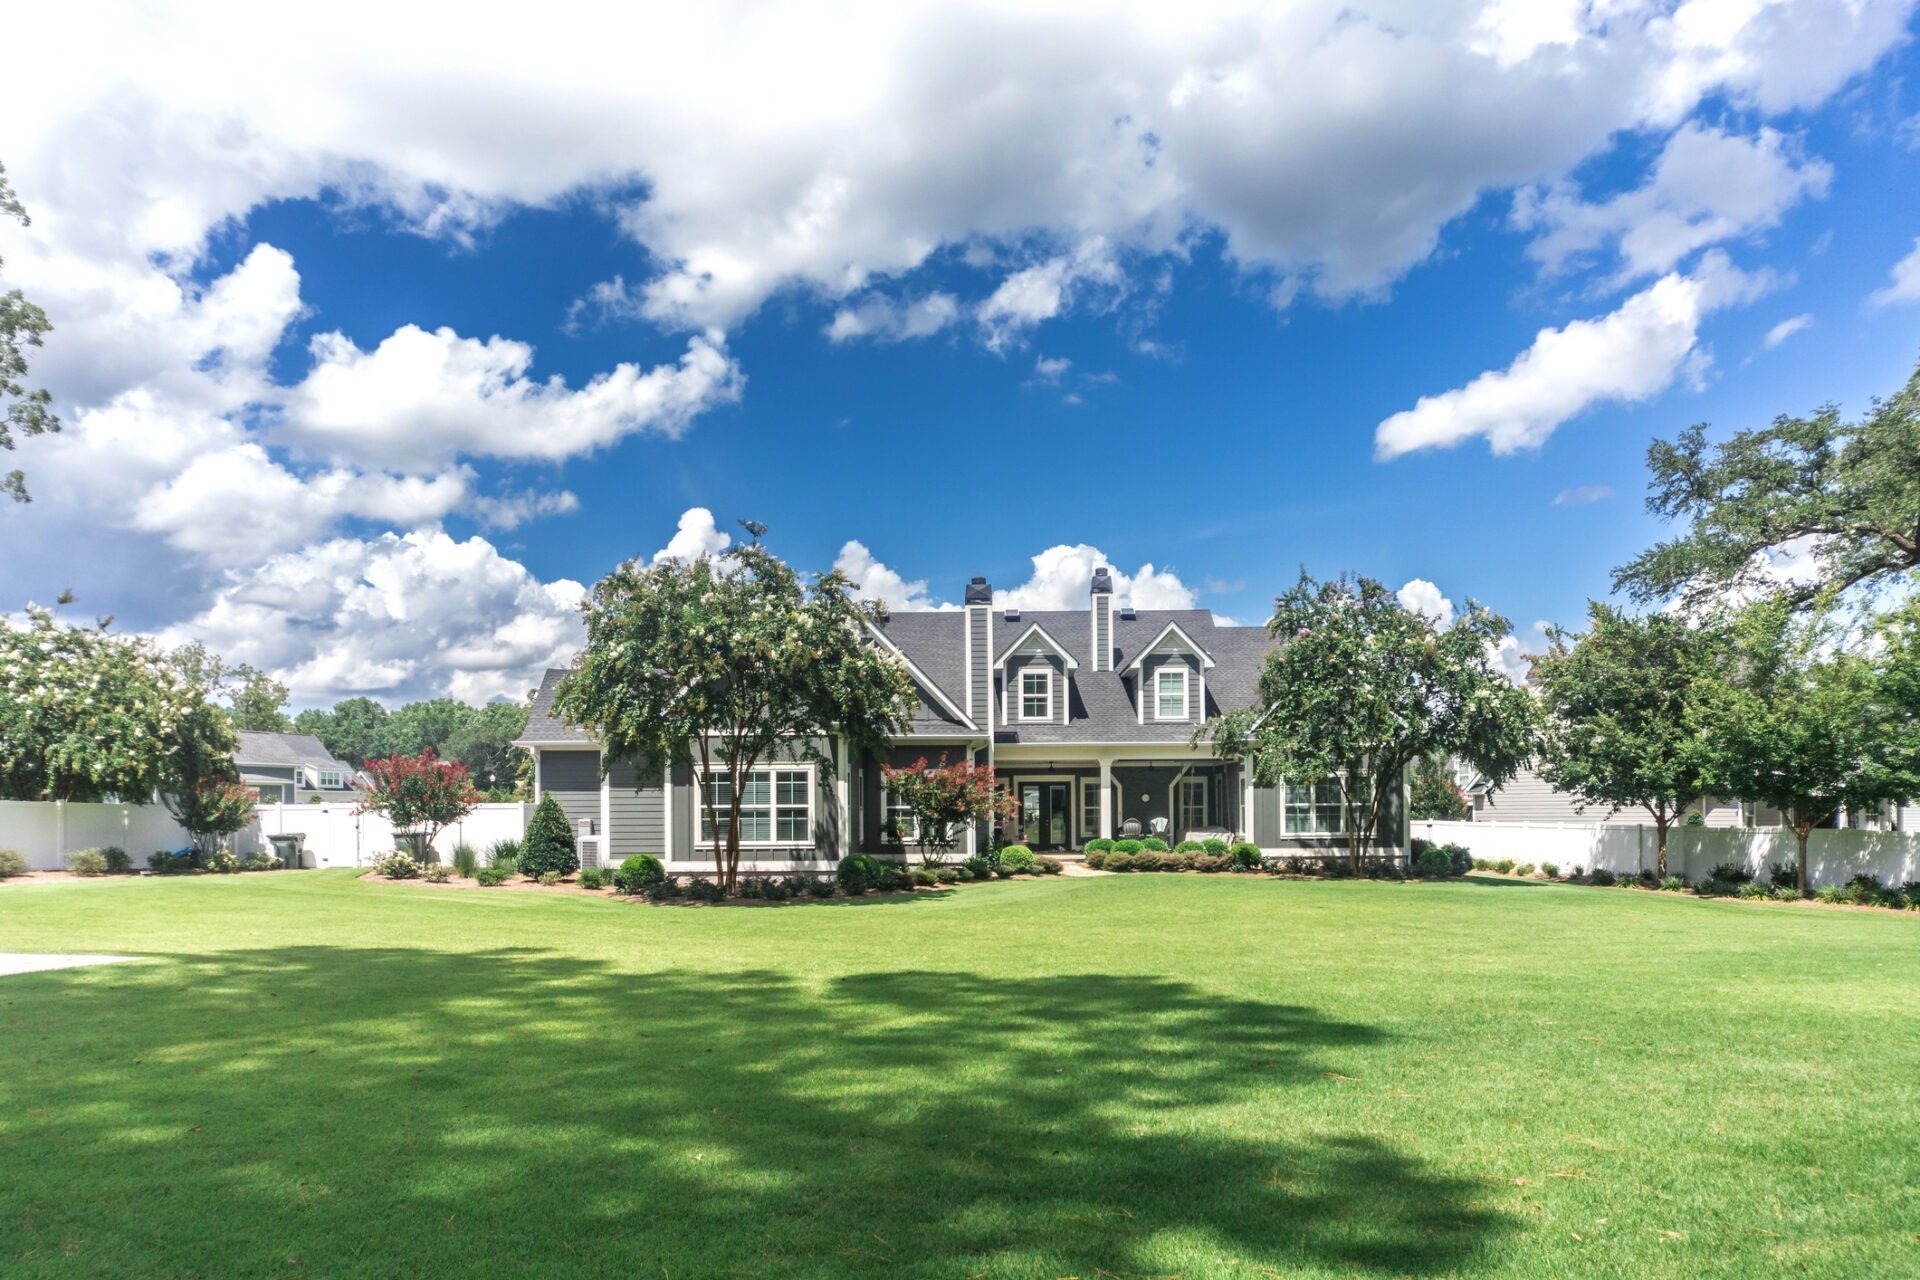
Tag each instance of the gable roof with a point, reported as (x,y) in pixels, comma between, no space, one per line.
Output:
(284,749)
(1172,629)
(1055,645)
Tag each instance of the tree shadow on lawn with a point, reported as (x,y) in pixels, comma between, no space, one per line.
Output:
(397,1112)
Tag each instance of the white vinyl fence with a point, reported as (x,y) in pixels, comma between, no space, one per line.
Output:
(336,835)
(1833,857)
(333,835)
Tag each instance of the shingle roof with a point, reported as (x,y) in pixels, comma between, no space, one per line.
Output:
(284,749)
(1101,710)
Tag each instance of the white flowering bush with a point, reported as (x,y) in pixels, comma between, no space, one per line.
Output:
(395,865)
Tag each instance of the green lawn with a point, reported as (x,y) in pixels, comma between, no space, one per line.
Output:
(1121,1076)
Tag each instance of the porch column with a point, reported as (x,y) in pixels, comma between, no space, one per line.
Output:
(1106,798)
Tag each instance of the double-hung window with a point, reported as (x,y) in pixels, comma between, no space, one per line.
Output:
(1317,809)
(332,780)
(776,806)
(897,819)
(1036,694)
(1170,692)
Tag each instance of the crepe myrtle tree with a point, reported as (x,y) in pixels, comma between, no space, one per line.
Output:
(1357,687)
(22,324)
(945,800)
(726,664)
(420,795)
(1818,711)
(1624,707)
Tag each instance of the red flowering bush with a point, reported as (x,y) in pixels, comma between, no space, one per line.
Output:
(945,800)
(420,793)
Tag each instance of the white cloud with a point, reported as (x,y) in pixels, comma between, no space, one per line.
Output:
(875,581)
(1582,495)
(1707,186)
(884,320)
(511,510)
(395,617)
(1785,329)
(1050,368)
(1422,597)
(696,539)
(1905,284)
(1511,654)
(1041,292)
(1631,354)
(420,399)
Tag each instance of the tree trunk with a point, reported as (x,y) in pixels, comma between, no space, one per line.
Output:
(1801,831)
(1661,826)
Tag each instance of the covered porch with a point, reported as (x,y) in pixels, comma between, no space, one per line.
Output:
(1065,802)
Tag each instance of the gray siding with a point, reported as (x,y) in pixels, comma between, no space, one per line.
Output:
(1016,667)
(1151,686)
(1103,633)
(639,812)
(980,637)
(574,779)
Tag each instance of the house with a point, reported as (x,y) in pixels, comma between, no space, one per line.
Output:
(1530,798)
(291,768)
(1085,715)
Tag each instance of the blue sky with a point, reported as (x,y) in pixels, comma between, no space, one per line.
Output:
(1223,298)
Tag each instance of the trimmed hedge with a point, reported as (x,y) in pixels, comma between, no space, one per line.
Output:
(637,872)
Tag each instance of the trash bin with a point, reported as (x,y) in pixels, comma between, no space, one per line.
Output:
(291,850)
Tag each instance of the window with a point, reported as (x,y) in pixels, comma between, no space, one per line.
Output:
(1090,808)
(897,820)
(1316,810)
(1036,695)
(776,807)
(332,780)
(1190,805)
(1170,692)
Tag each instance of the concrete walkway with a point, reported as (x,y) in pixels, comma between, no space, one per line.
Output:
(12,962)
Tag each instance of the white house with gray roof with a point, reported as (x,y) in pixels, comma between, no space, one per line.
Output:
(1085,715)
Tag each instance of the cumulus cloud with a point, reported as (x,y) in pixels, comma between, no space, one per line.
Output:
(1905,284)
(1061,579)
(1424,598)
(697,538)
(873,580)
(882,319)
(1785,329)
(1041,292)
(1631,354)
(397,617)
(1707,186)
(1581,495)
(422,399)
(1513,655)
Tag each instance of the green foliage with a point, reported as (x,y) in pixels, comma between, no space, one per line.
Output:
(1503,865)
(1674,884)
(1119,860)
(394,865)
(1244,856)
(729,662)
(119,863)
(85,714)
(436,873)
(1551,870)
(1095,859)
(859,872)
(1049,866)
(549,842)
(1154,844)
(505,854)
(1099,844)
(946,800)
(1130,847)
(1433,863)
(466,860)
(354,731)
(1602,876)
(1850,490)
(87,862)
(12,863)
(1817,712)
(1016,859)
(1359,686)
(591,878)
(637,872)
(981,866)
(420,795)
(22,324)
(163,863)
(820,887)
(253,700)
(1524,869)
(1150,860)
(490,876)
(1215,847)
(549,878)
(1433,795)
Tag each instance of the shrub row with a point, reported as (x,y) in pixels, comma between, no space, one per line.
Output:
(1191,855)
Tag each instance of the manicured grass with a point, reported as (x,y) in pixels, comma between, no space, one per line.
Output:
(1127,1076)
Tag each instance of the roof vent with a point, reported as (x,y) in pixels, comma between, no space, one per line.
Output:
(1013,615)
(1126,613)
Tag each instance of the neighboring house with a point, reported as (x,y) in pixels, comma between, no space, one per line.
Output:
(1530,798)
(292,768)
(1085,715)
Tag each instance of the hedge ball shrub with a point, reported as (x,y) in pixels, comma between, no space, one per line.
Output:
(637,872)
(859,872)
(1214,847)
(1189,846)
(1128,847)
(1154,844)
(1433,863)
(1017,859)
(1096,858)
(119,862)
(1120,861)
(1099,844)
(12,863)
(491,876)
(1245,856)
(1049,866)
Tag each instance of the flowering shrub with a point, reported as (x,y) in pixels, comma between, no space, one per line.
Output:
(420,793)
(945,800)
(396,866)
(436,873)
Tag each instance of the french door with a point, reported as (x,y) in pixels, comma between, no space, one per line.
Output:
(1190,806)
(1046,811)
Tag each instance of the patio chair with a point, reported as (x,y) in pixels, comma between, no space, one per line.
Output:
(1130,829)
(1159,826)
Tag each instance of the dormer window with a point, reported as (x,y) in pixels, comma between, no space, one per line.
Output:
(1170,693)
(332,780)
(1036,694)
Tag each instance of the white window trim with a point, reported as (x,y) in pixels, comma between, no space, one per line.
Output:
(705,836)
(1176,801)
(1313,807)
(1044,670)
(908,826)
(339,779)
(1160,673)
